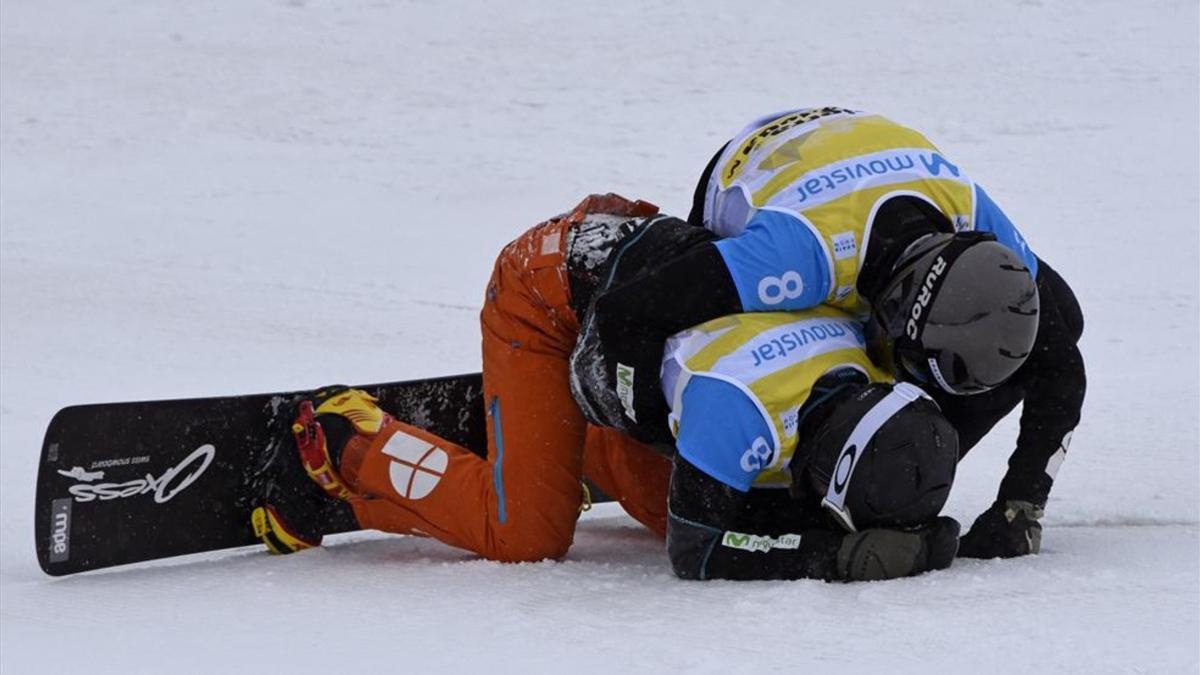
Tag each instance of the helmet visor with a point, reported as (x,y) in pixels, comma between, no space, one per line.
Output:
(935,367)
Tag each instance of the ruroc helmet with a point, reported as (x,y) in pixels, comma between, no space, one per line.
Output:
(960,312)
(883,457)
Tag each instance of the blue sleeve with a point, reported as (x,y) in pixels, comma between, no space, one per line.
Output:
(989,218)
(777,263)
(722,432)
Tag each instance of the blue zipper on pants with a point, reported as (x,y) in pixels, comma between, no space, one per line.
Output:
(498,465)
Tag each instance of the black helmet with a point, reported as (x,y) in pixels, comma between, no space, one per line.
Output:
(960,312)
(882,457)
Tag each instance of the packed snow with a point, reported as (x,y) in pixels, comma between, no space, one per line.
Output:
(211,198)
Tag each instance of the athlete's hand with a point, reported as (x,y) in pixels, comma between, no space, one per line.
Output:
(1006,530)
(878,554)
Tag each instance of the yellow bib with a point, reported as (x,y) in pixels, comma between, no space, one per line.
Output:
(832,169)
(774,358)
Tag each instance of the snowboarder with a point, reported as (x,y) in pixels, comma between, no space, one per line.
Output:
(792,400)
(522,503)
(851,210)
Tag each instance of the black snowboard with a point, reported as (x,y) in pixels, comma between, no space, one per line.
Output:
(127,482)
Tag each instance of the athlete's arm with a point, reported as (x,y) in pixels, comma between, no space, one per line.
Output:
(1052,383)
(775,264)
(666,299)
(723,443)
(1053,379)
(703,543)
(715,531)
(1055,382)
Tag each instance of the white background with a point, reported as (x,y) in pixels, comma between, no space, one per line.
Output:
(213,198)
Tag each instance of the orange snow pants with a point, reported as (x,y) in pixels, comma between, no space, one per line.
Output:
(522,502)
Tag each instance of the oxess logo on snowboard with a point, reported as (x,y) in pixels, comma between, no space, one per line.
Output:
(172,481)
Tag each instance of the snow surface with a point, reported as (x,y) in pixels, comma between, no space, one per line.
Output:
(211,198)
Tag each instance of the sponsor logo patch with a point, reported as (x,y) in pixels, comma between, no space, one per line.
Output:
(844,246)
(781,344)
(417,465)
(625,389)
(60,530)
(845,464)
(791,421)
(760,543)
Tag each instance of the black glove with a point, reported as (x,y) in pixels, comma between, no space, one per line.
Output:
(877,554)
(1006,530)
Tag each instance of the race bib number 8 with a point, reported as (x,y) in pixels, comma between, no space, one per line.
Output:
(774,290)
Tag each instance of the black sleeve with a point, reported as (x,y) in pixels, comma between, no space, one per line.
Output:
(633,320)
(1051,383)
(711,534)
(678,294)
(1055,383)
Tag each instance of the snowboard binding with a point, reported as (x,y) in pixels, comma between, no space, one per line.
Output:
(294,513)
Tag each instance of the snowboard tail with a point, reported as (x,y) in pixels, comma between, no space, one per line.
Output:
(121,483)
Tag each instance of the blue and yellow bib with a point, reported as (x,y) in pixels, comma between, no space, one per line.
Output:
(796,194)
(736,386)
